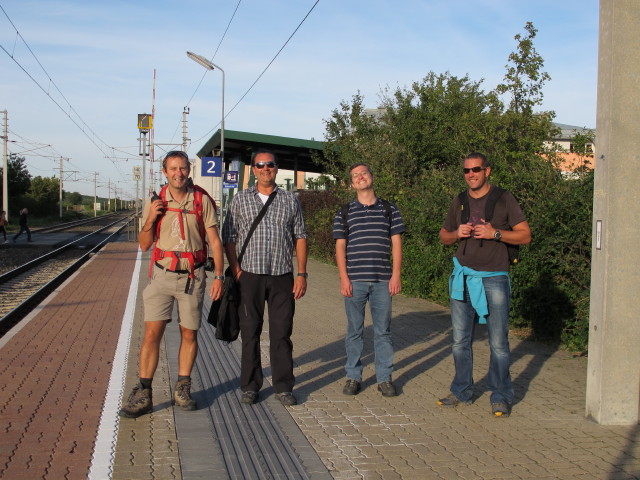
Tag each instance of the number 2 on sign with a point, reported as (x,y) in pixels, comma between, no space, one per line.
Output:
(212,166)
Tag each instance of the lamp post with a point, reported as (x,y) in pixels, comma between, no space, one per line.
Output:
(212,66)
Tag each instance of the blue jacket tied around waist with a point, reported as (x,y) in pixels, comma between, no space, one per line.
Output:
(475,286)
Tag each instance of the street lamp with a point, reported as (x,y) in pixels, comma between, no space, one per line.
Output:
(212,66)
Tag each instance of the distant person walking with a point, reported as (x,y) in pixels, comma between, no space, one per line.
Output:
(3,222)
(23,225)
(365,231)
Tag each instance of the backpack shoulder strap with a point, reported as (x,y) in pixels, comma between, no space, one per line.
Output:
(494,195)
(387,208)
(463,198)
(344,213)
(163,197)
(197,206)
(388,212)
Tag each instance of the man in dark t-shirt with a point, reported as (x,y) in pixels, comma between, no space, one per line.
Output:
(479,285)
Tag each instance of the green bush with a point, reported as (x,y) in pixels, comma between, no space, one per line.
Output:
(550,284)
(415,144)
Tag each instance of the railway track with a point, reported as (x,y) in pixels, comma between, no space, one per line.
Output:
(24,287)
(78,224)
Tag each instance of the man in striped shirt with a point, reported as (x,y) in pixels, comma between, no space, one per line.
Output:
(365,232)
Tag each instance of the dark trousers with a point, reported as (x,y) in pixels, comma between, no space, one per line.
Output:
(277,291)
(23,228)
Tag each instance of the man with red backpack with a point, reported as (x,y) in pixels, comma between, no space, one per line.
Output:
(178,224)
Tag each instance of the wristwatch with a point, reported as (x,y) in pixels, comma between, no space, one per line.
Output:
(305,275)
(497,236)
(219,277)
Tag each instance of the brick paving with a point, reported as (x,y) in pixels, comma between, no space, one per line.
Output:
(54,372)
(411,437)
(59,364)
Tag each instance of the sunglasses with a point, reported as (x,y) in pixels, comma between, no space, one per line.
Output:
(473,169)
(261,165)
(177,153)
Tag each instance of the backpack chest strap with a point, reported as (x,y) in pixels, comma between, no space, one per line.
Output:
(181,219)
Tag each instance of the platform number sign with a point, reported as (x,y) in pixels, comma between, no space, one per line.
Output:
(211,167)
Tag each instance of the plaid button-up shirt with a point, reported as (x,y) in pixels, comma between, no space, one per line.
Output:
(271,246)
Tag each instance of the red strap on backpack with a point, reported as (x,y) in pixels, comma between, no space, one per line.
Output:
(199,256)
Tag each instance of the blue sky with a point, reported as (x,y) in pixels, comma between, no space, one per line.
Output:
(101,56)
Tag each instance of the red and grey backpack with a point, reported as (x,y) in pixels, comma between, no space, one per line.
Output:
(194,258)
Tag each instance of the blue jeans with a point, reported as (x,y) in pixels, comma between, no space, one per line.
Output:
(463,318)
(377,293)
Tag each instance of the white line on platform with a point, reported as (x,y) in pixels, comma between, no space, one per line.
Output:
(104,451)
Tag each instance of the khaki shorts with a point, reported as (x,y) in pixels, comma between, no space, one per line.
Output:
(167,287)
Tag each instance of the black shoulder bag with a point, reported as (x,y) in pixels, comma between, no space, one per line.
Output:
(224,312)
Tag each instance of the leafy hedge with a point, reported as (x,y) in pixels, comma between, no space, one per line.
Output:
(415,142)
(550,284)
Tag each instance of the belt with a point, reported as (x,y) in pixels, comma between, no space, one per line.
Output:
(184,272)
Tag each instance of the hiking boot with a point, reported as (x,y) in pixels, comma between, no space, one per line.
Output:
(452,401)
(182,395)
(287,399)
(500,409)
(140,402)
(352,387)
(387,389)
(249,398)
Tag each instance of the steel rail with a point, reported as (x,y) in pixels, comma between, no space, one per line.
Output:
(14,316)
(74,223)
(37,261)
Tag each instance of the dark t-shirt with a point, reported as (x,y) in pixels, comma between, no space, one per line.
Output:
(485,255)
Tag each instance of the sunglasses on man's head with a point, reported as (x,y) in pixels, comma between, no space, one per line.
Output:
(261,165)
(177,153)
(473,169)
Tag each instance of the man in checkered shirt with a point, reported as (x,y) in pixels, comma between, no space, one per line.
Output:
(266,274)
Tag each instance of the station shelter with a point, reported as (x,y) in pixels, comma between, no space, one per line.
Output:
(298,160)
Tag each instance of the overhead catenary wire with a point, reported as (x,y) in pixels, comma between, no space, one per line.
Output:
(207,71)
(263,71)
(84,128)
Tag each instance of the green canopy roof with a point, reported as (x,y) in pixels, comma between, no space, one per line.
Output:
(292,153)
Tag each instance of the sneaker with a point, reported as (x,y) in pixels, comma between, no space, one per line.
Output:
(500,409)
(182,395)
(452,401)
(352,387)
(140,402)
(287,399)
(387,389)
(249,398)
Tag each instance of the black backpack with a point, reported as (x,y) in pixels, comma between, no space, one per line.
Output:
(344,212)
(494,195)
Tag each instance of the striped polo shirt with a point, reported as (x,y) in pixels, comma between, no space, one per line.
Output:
(369,242)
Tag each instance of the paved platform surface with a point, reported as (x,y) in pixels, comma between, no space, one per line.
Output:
(57,400)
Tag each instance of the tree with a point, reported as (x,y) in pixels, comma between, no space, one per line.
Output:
(414,142)
(72,198)
(524,79)
(524,82)
(19,179)
(431,124)
(45,192)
